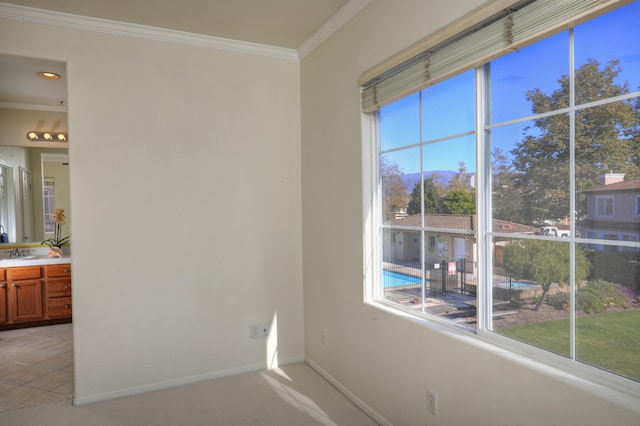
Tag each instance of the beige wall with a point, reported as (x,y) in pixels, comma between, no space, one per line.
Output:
(385,360)
(185,192)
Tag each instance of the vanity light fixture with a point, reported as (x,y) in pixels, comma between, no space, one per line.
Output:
(47,136)
(49,75)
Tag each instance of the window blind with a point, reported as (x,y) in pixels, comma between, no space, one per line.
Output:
(517,26)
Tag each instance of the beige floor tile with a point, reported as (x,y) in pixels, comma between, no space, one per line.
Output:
(15,396)
(35,357)
(10,367)
(6,386)
(45,398)
(50,381)
(58,362)
(36,366)
(25,375)
(66,389)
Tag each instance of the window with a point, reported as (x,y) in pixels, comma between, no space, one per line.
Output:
(49,191)
(604,206)
(482,159)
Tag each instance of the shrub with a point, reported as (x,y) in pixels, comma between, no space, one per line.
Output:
(599,295)
(559,301)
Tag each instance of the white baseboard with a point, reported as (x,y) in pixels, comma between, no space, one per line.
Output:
(137,390)
(346,392)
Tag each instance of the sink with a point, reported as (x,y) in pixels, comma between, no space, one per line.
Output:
(25,257)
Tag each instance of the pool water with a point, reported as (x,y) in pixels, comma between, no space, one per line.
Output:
(518,285)
(395,279)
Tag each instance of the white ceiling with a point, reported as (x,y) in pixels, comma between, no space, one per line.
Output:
(281,23)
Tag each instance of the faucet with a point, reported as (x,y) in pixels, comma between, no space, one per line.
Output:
(16,252)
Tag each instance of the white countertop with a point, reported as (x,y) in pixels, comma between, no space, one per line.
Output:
(33,261)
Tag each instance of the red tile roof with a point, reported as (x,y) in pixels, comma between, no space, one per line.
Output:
(627,185)
(463,224)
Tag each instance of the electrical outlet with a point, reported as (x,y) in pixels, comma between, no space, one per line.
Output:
(264,329)
(432,402)
(323,335)
(254,330)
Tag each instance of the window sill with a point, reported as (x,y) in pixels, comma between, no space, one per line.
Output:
(616,389)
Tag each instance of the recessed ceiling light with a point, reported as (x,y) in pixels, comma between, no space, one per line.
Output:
(47,74)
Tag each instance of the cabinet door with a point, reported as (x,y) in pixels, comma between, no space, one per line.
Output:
(59,307)
(3,303)
(61,270)
(26,300)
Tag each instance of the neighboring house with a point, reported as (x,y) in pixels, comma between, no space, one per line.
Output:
(613,211)
(451,237)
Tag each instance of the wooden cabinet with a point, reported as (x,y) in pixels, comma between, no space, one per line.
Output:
(4,314)
(58,288)
(35,294)
(25,294)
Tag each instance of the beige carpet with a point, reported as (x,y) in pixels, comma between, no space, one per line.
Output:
(293,395)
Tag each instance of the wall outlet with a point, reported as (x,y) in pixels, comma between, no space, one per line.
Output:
(254,330)
(264,329)
(323,336)
(432,402)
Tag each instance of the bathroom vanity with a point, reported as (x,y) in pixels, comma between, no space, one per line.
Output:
(34,291)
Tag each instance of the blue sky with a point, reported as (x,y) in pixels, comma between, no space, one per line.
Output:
(449,107)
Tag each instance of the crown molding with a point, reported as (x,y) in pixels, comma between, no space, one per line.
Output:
(33,107)
(86,23)
(346,12)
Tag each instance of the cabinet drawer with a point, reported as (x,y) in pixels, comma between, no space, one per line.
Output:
(63,270)
(59,288)
(28,273)
(59,307)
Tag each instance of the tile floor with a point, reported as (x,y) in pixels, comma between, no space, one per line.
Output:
(36,366)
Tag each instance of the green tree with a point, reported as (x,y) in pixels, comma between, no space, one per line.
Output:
(431,198)
(394,191)
(543,262)
(606,139)
(506,198)
(459,201)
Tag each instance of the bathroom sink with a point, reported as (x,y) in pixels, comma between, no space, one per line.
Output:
(26,257)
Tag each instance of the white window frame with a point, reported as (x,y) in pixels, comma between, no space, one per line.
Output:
(605,199)
(373,257)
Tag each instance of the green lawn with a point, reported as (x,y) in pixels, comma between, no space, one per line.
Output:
(607,340)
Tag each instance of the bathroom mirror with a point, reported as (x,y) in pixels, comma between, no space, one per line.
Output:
(34,174)
(33,183)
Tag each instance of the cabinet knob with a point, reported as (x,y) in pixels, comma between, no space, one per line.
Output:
(66,287)
(66,306)
(13,284)
(1,285)
(66,270)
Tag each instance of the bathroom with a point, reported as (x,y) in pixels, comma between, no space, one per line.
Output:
(36,345)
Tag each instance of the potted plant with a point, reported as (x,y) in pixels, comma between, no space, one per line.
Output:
(55,244)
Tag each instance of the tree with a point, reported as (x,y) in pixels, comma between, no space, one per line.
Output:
(394,191)
(459,201)
(431,198)
(506,198)
(543,262)
(462,180)
(606,139)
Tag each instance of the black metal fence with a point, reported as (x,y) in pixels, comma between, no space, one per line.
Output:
(441,278)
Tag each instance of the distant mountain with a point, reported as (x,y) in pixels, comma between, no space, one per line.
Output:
(444,176)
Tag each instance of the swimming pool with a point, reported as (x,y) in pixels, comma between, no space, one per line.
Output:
(395,279)
(518,285)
